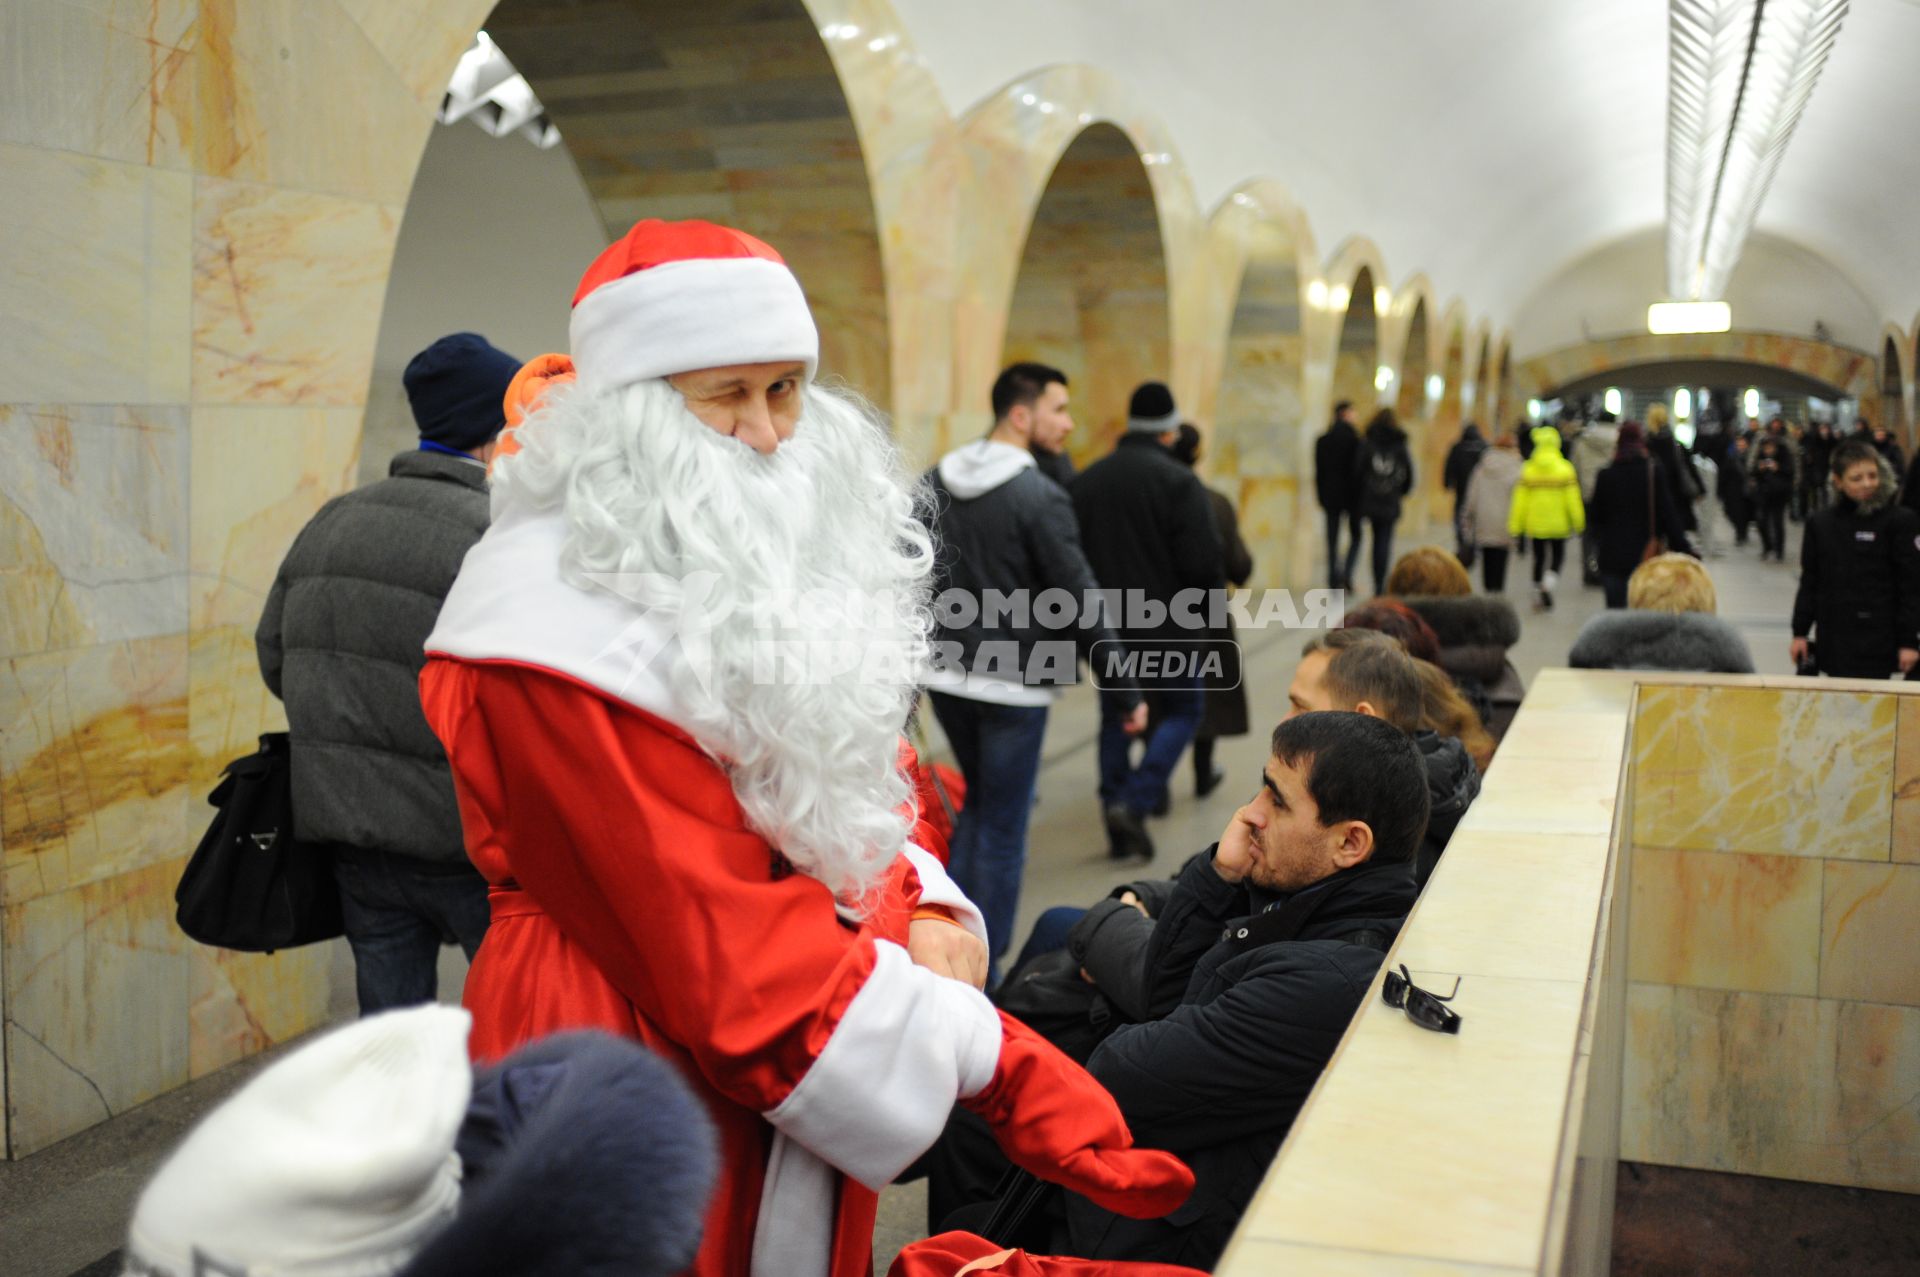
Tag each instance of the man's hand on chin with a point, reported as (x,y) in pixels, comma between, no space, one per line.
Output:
(949,949)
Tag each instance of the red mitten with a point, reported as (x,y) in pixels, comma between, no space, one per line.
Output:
(1051,1118)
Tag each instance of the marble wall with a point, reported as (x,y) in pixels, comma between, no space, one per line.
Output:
(192,262)
(191,291)
(1774,1009)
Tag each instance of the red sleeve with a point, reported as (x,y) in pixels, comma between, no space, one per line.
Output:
(628,836)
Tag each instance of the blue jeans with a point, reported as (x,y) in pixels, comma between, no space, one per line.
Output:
(398,912)
(1049,934)
(998,749)
(1139,788)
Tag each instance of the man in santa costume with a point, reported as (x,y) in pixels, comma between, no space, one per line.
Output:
(703,846)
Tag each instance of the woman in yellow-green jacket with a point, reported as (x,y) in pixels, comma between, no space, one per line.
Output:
(1547,510)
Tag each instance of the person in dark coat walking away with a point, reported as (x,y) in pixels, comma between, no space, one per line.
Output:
(1889,447)
(342,640)
(1000,526)
(1384,470)
(1632,507)
(1859,597)
(1226,696)
(1336,486)
(1773,490)
(1736,488)
(1462,458)
(1910,490)
(1683,483)
(1149,534)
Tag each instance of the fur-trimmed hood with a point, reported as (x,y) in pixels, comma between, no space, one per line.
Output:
(1468,620)
(584,1156)
(1884,495)
(1638,640)
(1475,631)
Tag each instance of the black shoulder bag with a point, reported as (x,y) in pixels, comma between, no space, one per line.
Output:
(250,884)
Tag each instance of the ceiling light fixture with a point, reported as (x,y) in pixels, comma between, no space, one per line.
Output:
(487,90)
(1740,74)
(1689,317)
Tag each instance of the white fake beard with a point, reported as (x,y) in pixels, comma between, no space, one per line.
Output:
(647,488)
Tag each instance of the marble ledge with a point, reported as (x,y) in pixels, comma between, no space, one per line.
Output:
(1490,1108)
(1536,796)
(1251,1256)
(1511,904)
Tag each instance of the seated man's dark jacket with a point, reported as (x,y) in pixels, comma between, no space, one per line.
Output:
(1242,1023)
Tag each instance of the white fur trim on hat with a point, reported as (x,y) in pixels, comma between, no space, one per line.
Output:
(335,1161)
(682,316)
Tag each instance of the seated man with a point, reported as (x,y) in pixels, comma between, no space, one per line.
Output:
(1274,936)
(1361,671)
(1259,953)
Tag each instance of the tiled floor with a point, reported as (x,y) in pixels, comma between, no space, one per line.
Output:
(1677,1223)
(64,1209)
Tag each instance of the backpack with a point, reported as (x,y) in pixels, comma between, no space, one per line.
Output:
(1385,477)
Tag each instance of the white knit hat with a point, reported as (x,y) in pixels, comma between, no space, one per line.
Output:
(336,1161)
(673,297)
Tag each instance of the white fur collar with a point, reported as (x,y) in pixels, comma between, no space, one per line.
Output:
(510,604)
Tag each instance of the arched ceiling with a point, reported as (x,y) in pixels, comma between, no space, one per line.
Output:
(1488,145)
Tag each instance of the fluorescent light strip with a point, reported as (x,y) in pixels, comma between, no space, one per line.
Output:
(1707,49)
(1789,53)
(1740,74)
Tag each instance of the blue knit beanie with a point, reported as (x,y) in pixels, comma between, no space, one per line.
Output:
(456,386)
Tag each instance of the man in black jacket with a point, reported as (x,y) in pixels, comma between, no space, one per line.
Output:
(1859,595)
(1149,535)
(1004,531)
(1336,484)
(342,640)
(1263,952)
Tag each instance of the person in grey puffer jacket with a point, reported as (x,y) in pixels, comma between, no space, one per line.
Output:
(342,640)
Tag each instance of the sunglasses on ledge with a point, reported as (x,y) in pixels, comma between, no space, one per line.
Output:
(1426,1009)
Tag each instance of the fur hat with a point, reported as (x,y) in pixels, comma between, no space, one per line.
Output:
(673,297)
(582,1155)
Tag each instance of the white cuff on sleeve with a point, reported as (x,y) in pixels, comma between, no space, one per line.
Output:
(936,888)
(909,1044)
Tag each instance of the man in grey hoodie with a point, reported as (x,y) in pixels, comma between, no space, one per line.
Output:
(1005,534)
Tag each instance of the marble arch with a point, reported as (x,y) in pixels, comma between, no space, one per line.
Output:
(1013,143)
(1895,400)
(1253,404)
(1855,372)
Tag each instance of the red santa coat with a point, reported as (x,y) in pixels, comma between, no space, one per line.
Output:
(629,895)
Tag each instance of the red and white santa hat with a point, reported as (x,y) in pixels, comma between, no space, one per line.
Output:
(673,297)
